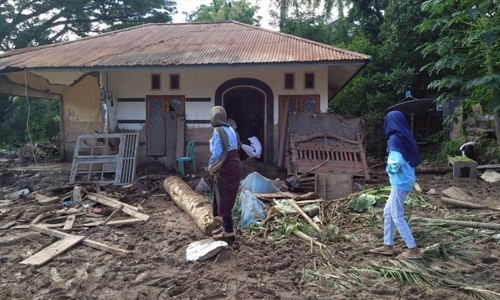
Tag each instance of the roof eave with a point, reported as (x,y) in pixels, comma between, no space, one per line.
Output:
(361,62)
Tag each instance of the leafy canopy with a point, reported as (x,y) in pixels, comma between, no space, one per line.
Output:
(35,22)
(468,48)
(218,11)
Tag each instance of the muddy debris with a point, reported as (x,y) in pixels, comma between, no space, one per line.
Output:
(140,253)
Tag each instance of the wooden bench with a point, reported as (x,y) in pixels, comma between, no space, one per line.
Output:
(344,156)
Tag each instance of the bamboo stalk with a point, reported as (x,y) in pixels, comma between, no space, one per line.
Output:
(306,217)
(307,238)
(468,224)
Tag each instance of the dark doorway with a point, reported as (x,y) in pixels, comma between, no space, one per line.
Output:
(267,114)
(242,102)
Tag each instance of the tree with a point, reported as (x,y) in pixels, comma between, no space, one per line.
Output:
(468,48)
(283,10)
(218,11)
(35,22)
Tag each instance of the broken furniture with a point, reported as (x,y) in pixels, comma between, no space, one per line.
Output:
(463,169)
(105,158)
(344,156)
(333,186)
(188,158)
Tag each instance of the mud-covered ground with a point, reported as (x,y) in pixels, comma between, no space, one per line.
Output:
(252,269)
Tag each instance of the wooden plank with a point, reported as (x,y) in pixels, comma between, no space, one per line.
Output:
(53,250)
(282,132)
(87,242)
(41,216)
(44,225)
(69,222)
(44,200)
(115,204)
(333,186)
(180,141)
(116,201)
(457,193)
(115,223)
(488,167)
(119,209)
(7,225)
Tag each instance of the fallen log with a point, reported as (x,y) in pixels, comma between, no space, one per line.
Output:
(464,204)
(438,170)
(196,206)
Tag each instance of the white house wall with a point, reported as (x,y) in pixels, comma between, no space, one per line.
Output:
(204,83)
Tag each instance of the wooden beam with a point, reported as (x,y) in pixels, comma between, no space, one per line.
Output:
(115,204)
(44,225)
(115,223)
(119,209)
(53,250)
(44,200)
(116,201)
(69,222)
(87,242)
(282,132)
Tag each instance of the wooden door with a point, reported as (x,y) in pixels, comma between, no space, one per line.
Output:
(162,126)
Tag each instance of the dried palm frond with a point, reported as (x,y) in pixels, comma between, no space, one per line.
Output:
(402,271)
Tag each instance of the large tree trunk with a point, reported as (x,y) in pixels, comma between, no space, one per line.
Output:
(196,206)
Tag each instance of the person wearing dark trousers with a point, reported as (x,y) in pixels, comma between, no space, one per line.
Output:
(225,165)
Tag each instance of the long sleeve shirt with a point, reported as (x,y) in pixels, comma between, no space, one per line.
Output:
(401,174)
(216,143)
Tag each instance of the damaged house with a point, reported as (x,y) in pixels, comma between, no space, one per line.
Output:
(161,80)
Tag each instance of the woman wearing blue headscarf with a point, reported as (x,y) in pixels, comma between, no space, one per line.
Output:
(401,163)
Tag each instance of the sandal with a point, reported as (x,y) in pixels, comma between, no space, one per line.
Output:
(218,231)
(382,251)
(223,237)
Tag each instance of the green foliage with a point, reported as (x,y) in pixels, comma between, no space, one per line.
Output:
(468,49)
(28,22)
(449,148)
(44,120)
(218,11)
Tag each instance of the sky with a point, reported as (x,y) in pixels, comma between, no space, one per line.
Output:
(191,5)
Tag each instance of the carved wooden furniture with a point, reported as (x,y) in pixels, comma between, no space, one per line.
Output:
(345,156)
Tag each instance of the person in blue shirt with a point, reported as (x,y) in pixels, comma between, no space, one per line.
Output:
(225,165)
(401,163)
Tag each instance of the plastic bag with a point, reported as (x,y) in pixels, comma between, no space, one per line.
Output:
(251,209)
(257,183)
(204,249)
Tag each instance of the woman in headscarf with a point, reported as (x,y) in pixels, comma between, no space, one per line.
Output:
(225,165)
(401,163)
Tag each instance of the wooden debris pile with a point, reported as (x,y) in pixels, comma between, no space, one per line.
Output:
(75,209)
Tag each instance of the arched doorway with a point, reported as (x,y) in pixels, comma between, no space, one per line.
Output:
(242,102)
(243,96)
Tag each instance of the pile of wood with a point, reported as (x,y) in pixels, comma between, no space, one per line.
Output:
(72,208)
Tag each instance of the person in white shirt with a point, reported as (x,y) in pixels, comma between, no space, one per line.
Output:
(232,121)
(254,149)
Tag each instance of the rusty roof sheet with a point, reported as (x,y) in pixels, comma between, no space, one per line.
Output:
(178,45)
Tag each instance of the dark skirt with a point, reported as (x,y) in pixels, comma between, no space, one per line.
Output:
(228,183)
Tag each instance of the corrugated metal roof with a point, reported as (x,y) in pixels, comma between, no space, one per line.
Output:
(178,44)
